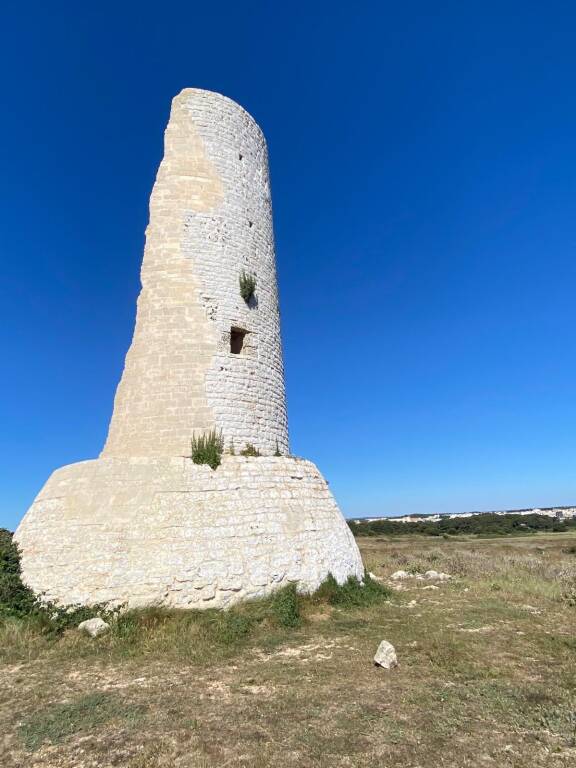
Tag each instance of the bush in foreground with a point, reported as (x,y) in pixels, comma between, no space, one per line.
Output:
(351,594)
(16,599)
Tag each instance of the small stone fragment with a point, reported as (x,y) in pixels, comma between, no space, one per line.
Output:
(400,575)
(436,576)
(94,627)
(374,577)
(386,656)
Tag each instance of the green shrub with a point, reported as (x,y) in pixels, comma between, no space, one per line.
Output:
(229,628)
(247,286)
(250,450)
(207,449)
(16,599)
(484,524)
(286,606)
(277,451)
(353,593)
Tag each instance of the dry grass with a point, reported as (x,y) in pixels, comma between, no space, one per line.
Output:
(487,676)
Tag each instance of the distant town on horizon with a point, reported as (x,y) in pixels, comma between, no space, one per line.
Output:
(559,513)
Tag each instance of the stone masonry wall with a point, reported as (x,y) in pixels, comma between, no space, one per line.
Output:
(210,218)
(245,391)
(168,531)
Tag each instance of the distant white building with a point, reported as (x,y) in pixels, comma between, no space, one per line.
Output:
(559,513)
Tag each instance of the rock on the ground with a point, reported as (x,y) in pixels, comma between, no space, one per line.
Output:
(374,577)
(386,655)
(400,575)
(94,627)
(437,576)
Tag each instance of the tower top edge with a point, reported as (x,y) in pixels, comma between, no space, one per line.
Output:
(188,94)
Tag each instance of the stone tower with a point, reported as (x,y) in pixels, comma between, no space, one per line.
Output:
(202,357)
(144,524)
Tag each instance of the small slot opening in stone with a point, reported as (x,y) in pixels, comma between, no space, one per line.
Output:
(237,340)
(240,156)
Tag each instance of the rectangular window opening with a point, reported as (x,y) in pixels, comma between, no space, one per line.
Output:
(237,340)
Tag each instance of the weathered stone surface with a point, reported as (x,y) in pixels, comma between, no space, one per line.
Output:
(210,219)
(94,627)
(400,575)
(166,531)
(386,655)
(436,576)
(142,524)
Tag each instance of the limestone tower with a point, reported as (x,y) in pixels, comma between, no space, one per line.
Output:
(203,357)
(144,524)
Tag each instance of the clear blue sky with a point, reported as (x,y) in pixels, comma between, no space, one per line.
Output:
(423,160)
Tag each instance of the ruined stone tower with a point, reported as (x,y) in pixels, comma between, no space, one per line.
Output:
(144,524)
(202,357)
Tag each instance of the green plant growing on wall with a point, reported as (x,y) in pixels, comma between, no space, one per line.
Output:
(250,450)
(207,449)
(247,286)
(277,451)
(232,450)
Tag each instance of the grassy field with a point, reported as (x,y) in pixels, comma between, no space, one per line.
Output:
(487,674)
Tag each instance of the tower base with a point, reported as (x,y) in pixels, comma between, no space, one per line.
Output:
(166,531)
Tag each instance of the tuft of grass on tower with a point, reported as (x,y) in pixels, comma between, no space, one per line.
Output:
(208,448)
(247,284)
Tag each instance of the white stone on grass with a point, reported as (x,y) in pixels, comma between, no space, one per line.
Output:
(386,656)
(94,627)
(400,575)
(374,577)
(437,576)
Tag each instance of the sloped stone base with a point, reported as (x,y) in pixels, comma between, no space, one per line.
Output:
(162,531)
